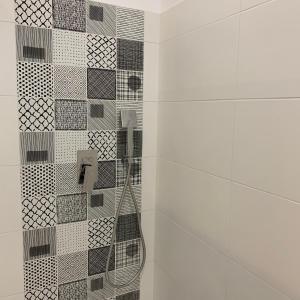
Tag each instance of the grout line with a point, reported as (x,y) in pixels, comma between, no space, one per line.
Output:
(241,99)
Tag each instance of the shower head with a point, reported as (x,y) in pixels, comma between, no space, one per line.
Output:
(128,118)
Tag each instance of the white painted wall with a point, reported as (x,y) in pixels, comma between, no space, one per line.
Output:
(228,194)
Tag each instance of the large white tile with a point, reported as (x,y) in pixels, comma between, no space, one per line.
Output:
(8,59)
(191,14)
(266,146)
(13,297)
(152,27)
(7,10)
(202,64)
(11,264)
(148,224)
(196,200)
(147,282)
(264,236)
(243,285)
(151,72)
(10,204)
(150,119)
(149,183)
(250,3)
(9,131)
(198,134)
(198,268)
(269,52)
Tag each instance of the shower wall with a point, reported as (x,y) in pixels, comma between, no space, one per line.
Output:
(228,213)
(77,64)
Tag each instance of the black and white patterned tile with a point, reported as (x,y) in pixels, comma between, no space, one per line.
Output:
(40,273)
(130,23)
(72,267)
(37,147)
(101,204)
(129,85)
(71,208)
(68,143)
(38,212)
(102,115)
(124,275)
(127,228)
(98,287)
(37,180)
(72,237)
(127,253)
(135,295)
(69,48)
(70,82)
(122,143)
(39,243)
(101,84)
(48,293)
(128,206)
(69,15)
(101,52)
(130,105)
(36,114)
(73,291)
(130,55)
(70,115)
(104,142)
(35,13)
(106,175)
(136,171)
(97,260)
(35,80)
(34,44)
(100,232)
(101,18)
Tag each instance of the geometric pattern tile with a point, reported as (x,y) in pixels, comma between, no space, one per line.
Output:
(34,44)
(67,144)
(37,147)
(127,253)
(72,237)
(48,293)
(105,142)
(101,52)
(69,48)
(122,143)
(39,243)
(71,208)
(37,180)
(38,212)
(102,115)
(100,232)
(129,85)
(135,295)
(103,290)
(106,175)
(36,114)
(70,115)
(72,267)
(35,80)
(73,291)
(101,84)
(101,18)
(130,23)
(136,171)
(128,207)
(127,228)
(98,258)
(130,105)
(34,13)
(130,55)
(124,275)
(69,82)
(101,204)
(69,14)
(40,273)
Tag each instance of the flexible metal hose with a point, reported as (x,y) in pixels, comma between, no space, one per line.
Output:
(113,238)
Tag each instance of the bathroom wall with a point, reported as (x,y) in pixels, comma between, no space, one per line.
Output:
(16,225)
(229,116)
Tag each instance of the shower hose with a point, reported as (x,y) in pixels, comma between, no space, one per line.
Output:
(128,185)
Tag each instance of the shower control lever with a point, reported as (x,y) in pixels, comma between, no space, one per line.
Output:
(87,169)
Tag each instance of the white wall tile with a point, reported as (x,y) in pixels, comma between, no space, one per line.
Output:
(149,183)
(148,224)
(151,72)
(197,134)
(267,146)
(11,264)
(10,204)
(13,297)
(200,65)
(147,282)
(196,200)
(191,14)
(152,27)
(8,59)
(7,10)
(264,236)
(269,52)
(9,131)
(243,285)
